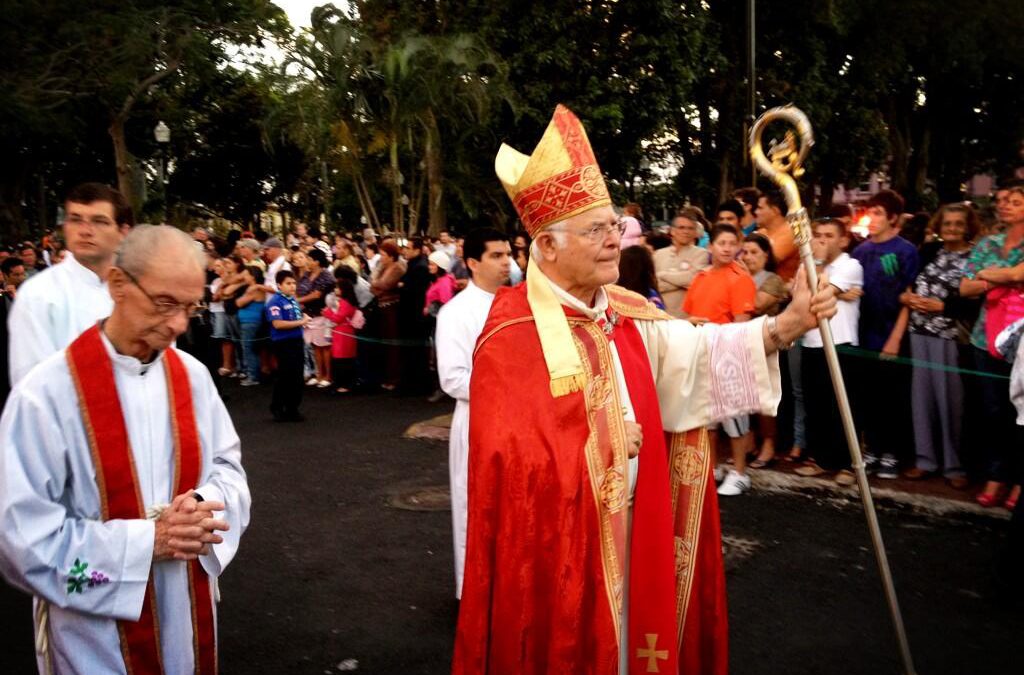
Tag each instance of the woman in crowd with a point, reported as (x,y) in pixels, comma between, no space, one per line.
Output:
(521,250)
(225,322)
(384,285)
(772,293)
(250,318)
(997,262)
(347,319)
(442,288)
(937,395)
(636,273)
(313,286)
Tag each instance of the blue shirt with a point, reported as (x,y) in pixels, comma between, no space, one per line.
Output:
(889,268)
(283,308)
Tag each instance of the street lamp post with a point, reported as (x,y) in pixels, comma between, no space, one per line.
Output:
(162,133)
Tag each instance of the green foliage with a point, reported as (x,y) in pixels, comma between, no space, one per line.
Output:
(392,110)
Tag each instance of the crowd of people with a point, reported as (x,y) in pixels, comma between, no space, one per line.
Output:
(927,328)
(923,299)
(575,383)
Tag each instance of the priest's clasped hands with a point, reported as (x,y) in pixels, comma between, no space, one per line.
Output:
(186,529)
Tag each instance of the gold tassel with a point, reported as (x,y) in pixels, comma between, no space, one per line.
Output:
(562,386)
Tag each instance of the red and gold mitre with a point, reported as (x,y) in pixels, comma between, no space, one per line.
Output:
(559,180)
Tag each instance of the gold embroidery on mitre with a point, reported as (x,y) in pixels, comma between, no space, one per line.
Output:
(613,490)
(559,180)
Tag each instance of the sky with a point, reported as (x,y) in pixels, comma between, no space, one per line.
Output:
(298,10)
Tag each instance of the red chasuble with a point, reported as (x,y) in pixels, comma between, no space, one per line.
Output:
(548,503)
(93,374)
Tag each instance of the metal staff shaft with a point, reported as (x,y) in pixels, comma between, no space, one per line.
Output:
(782,169)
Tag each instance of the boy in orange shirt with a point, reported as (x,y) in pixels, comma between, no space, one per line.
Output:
(725,293)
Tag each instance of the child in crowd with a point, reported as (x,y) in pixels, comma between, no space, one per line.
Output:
(347,319)
(725,293)
(286,324)
(826,442)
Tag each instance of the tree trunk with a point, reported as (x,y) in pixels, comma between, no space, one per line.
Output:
(123,161)
(437,218)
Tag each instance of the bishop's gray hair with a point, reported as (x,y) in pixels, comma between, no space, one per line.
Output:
(560,236)
(144,243)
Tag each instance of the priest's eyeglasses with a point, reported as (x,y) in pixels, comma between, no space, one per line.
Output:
(598,232)
(166,307)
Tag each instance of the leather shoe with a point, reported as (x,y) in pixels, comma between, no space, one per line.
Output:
(916,473)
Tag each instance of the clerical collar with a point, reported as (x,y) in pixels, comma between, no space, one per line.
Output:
(595,313)
(130,363)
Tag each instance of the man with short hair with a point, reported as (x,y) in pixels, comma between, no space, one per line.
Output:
(675,266)
(593,542)
(731,212)
(30,258)
(748,197)
(445,243)
(771,221)
(890,264)
(122,495)
(14,275)
(273,254)
(411,324)
(55,306)
(458,326)
(249,251)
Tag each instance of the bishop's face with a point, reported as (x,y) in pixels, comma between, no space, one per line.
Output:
(590,257)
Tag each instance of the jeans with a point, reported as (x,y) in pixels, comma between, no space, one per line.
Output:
(250,353)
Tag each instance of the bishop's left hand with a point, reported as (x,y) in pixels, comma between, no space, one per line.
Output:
(634,438)
(812,308)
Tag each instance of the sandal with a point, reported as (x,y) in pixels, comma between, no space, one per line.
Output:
(762,463)
(795,455)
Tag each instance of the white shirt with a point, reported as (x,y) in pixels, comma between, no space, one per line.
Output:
(459,324)
(50,508)
(270,278)
(844,273)
(51,310)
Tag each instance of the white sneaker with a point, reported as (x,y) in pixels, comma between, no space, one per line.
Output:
(735,484)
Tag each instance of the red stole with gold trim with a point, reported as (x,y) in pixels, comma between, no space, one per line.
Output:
(652,579)
(93,374)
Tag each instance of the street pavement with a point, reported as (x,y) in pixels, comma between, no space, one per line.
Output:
(346,566)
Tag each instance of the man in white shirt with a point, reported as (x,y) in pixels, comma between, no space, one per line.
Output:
(675,266)
(56,305)
(122,495)
(826,443)
(273,253)
(445,243)
(458,326)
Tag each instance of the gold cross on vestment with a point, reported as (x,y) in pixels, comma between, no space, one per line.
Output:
(651,654)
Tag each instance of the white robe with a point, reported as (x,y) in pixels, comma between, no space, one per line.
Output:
(458,326)
(51,310)
(50,509)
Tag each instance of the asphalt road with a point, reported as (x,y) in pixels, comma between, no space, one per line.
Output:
(330,576)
